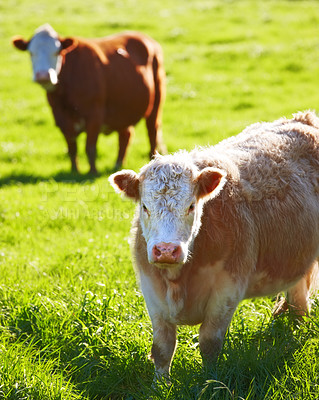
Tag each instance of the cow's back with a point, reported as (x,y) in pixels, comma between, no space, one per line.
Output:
(140,47)
(263,159)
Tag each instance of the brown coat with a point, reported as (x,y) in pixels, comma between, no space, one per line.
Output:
(106,85)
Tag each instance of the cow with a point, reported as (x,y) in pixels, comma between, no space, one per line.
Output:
(99,85)
(224,223)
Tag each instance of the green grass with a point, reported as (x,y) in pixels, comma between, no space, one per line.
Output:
(73,323)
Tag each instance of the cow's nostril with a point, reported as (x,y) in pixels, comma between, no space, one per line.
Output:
(156,251)
(177,252)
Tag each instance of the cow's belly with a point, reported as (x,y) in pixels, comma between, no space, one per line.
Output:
(261,284)
(117,120)
(122,113)
(272,277)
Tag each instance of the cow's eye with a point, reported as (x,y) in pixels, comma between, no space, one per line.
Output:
(145,209)
(191,208)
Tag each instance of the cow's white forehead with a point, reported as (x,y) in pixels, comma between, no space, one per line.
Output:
(167,181)
(45,39)
(46,30)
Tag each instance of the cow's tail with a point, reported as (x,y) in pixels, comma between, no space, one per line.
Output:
(154,113)
(159,82)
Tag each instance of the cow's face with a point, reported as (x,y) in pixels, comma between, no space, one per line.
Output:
(45,49)
(171,197)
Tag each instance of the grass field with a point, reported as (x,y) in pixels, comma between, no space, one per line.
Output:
(73,323)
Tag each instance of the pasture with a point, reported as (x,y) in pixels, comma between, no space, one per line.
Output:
(73,323)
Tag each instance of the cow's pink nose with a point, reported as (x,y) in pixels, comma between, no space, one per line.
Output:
(167,253)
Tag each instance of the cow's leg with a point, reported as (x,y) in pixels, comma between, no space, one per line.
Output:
(125,136)
(213,330)
(163,348)
(298,296)
(67,126)
(92,130)
(72,150)
(155,135)
(90,148)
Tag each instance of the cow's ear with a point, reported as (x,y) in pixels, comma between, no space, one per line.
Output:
(209,182)
(20,43)
(68,44)
(127,182)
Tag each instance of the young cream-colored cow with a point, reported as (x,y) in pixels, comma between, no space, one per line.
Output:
(224,223)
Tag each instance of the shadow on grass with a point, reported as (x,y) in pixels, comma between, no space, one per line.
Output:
(67,177)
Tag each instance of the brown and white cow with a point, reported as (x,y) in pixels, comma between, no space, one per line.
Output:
(99,85)
(225,223)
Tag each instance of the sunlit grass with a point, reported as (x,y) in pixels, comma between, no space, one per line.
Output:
(73,323)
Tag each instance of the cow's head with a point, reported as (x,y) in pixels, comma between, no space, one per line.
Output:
(45,48)
(171,192)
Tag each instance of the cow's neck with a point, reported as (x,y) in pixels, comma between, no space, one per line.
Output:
(172,275)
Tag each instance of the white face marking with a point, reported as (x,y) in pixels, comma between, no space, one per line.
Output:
(169,210)
(45,49)
(171,192)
